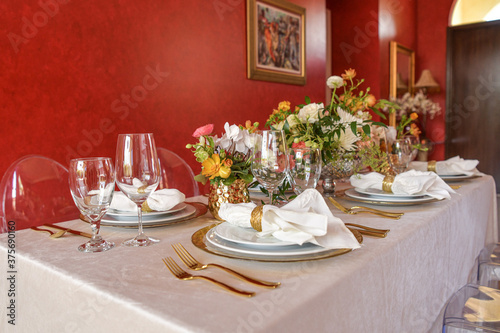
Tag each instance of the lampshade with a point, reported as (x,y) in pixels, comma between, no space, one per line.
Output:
(427,82)
(400,84)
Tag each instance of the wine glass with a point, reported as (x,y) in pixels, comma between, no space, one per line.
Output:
(137,175)
(92,184)
(270,160)
(413,141)
(305,168)
(399,154)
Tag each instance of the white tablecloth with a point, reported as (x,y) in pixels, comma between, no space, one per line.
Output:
(396,284)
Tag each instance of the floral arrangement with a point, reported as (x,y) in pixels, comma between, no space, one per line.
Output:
(419,104)
(341,127)
(227,158)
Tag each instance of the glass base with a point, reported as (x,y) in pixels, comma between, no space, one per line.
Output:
(141,240)
(96,246)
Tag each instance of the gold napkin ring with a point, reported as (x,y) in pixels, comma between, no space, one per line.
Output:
(256,218)
(387,183)
(431,166)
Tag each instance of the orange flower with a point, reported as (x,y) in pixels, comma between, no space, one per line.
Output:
(349,74)
(413,115)
(370,100)
(414,130)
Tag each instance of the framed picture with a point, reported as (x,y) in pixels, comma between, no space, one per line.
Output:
(276,41)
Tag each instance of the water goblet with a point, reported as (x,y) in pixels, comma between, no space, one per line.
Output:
(305,168)
(413,141)
(399,154)
(137,175)
(270,160)
(92,184)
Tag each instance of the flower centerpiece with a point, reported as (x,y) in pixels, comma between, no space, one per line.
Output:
(340,129)
(225,162)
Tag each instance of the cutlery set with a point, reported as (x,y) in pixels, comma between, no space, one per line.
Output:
(193,264)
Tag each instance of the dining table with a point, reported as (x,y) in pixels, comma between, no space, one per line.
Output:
(399,283)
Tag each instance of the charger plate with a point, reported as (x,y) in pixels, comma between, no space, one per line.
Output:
(199,239)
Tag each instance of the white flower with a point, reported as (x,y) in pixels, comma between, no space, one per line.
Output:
(348,140)
(347,118)
(292,120)
(334,82)
(310,113)
(234,137)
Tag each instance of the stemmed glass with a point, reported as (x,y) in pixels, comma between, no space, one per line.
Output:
(399,154)
(92,184)
(270,160)
(137,175)
(305,168)
(413,141)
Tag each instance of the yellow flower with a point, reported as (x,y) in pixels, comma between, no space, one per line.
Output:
(413,115)
(212,168)
(284,106)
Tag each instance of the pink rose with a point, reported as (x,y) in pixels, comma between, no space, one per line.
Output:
(203,130)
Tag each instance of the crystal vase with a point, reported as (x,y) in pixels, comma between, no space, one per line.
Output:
(340,168)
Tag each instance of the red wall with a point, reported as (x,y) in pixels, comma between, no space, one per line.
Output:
(73,79)
(419,25)
(433,20)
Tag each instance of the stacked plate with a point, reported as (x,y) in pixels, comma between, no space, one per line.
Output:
(176,214)
(457,177)
(375,196)
(237,242)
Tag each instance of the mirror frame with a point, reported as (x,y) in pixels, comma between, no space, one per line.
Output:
(395,49)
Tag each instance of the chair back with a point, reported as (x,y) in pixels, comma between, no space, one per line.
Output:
(34,190)
(176,173)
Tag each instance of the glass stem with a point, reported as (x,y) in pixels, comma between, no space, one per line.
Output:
(139,215)
(95,225)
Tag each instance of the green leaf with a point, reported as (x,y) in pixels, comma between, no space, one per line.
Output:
(308,100)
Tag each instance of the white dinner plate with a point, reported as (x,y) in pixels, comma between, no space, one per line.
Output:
(246,236)
(458,177)
(120,214)
(292,250)
(163,219)
(380,193)
(351,193)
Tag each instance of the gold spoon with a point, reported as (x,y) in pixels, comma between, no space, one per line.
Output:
(58,234)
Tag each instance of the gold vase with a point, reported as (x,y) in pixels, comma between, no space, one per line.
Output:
(237,192)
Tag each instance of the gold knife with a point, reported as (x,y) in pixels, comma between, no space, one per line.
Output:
(368,233)
(71,231)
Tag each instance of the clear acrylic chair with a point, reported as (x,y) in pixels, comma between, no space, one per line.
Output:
(176,173)
(34,190)
(473,309)
(489,266)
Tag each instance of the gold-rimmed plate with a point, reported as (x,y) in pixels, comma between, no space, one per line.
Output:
(352,195)
(192,210)
(458,178)
(199,239)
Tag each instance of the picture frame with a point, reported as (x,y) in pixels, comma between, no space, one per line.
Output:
(276,41)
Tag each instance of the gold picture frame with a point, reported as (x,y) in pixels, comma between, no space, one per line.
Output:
(276,41)
(402,73)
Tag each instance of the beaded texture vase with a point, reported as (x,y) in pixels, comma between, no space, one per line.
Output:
(237,192)
(342,168)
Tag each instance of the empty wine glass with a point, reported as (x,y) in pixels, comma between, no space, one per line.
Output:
(270,160)
(413,141)
(305,168)
(92,184)
(137,175)
(399,154)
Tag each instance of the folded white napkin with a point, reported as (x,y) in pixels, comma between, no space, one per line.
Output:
(409,182)
(451,167)
(306,219)
(160,200)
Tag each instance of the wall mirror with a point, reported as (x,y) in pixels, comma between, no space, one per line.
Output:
(402,73)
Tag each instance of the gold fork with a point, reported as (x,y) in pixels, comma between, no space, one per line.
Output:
(353,210)
(182,275)
(194,264)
